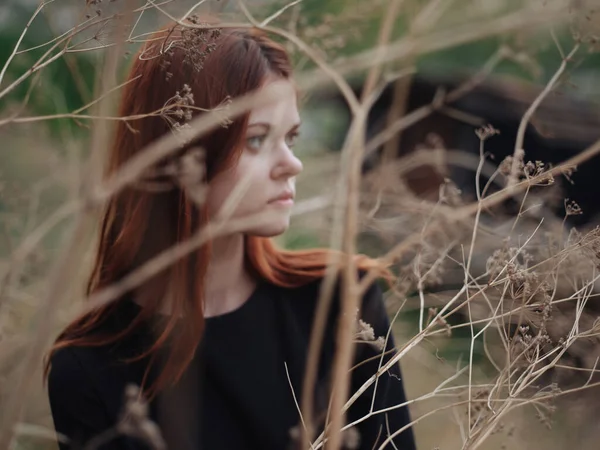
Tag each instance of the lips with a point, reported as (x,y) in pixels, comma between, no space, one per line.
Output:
(286,197)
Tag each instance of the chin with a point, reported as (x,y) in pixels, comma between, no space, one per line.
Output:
(272,229)
(275,222)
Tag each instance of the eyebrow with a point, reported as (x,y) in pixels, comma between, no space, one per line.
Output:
(268,125)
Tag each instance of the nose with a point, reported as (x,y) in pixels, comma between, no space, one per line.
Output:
(288,165)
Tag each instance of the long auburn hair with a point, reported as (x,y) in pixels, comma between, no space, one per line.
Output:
(137,224)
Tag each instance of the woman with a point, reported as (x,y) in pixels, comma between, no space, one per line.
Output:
(218,341)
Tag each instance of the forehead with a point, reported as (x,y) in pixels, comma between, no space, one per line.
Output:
(282,112)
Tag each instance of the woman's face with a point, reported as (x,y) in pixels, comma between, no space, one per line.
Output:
(266,168)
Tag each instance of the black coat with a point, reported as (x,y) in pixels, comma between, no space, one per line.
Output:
(236,393)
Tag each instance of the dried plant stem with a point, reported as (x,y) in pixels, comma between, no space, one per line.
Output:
(385,33)
(60,280)
(34,238)
(588,285)
(513,176)
(72,64)
(77,116)
(35,68)
(166,258)
(62,275)
(436,41)
(15,404)
(340,82)
(512,403)
(43,62)
(325,294)
(65,38)
(279,12)
(529,376)
(420,286)
(30,243)
(335,426)
(167,144)
(350,297)
(287,373)
(350,301)
(487,202)
(102,131)
(60,37)
(92,20)
(426,18)
(192,9)
(129,173)
(413,342)
(512,381)
(132,171)
(429,15)
(221,6)
(468,272)
(424,111)
(25,30)
(316,339)
(439,391)
(468,210)
(348,196)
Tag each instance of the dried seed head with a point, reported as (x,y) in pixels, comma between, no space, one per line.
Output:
(506,165)
(450,193)
(572,208)
(486,132)
(198,44)
(189,172)
(379,344)
(134,420)
(432,321)
(351,438)
(527,170)
(222,111)
(364,331)
(366,334)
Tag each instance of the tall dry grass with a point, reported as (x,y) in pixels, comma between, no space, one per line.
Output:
(520,287)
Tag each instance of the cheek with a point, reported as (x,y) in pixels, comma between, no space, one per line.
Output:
(219,190)
(223,185)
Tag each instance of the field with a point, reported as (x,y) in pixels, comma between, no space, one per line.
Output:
(455,141)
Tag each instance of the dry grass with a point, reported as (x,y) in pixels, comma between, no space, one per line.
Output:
(516,294)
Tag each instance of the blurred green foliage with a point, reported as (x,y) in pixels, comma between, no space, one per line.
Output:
(361,32)
(66,84)
(56,91)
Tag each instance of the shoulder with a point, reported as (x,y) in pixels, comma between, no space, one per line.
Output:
(101,365)
(66,365)
(93,361)
(81,400)
(96,370)
(306,297)
(72,367)
(89,378)
(71,388)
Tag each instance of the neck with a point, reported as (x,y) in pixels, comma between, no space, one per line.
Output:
(226,266)
(227,283)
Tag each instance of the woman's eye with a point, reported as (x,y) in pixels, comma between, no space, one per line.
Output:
(255,142)
(290,139)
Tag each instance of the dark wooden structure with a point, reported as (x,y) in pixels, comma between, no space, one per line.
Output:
(562,126)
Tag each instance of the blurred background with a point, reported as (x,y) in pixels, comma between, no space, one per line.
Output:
(447,90)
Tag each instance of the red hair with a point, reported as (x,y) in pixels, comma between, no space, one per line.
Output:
(138,224)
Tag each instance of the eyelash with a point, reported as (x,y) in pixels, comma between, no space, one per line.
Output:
(293,136)
(290,140)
